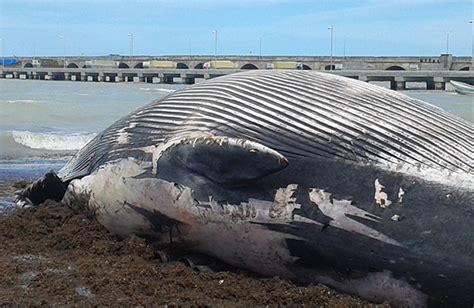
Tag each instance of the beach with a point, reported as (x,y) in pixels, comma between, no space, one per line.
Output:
(54,256)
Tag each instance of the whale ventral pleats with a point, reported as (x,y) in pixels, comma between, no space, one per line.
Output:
(224,160)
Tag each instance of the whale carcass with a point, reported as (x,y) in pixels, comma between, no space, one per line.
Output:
(305,175)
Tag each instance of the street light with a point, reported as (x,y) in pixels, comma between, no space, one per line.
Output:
(472,44)
(215,43)
(61,38)
(260,47)
(3,57)
(331,28)
(190,52)
(130,35)
(447,43)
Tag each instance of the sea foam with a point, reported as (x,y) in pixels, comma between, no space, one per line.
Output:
(22,101)
(158,89)
(52,141)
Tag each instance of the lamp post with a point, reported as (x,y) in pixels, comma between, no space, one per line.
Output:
(260,48)
(61,38)
(130,35)
(447,43)
(331,29)
(190,52)
(3,57)
(215,43)
(472,43)
(344,53)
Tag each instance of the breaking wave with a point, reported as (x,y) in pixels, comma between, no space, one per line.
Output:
(22,101)
(158,89)
(52,141)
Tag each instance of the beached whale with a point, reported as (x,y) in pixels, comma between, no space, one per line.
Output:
(305,175)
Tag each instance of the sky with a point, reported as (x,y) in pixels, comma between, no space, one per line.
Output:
(244,27)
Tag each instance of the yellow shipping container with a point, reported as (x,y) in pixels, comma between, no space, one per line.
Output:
(285,65)
(220,64)
(159,64)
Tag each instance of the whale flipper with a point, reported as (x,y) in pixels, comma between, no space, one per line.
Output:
(223,160)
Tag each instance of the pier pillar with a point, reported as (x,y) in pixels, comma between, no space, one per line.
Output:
(185,79)
(67,76)
(439,83)
(15,75)
(188,80)
(401,85)
(398,83)
(118,79)
(207,76)
(363,78)
(101,77)
(48,76)
(155,80)
(440,86)
(161,77)
(83,77)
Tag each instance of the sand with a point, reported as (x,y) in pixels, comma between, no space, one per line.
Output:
(50,255)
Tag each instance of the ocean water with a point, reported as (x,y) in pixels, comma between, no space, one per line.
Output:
(43,123)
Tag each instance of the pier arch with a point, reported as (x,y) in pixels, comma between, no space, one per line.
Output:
(181,66)
(123,65)
(466,68)
(395,68)
(249,66)
(138,65)
(72,65)
(199,66)
(330,67)
(305,67)
(29,64)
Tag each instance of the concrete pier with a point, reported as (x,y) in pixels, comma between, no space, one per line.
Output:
(434,80)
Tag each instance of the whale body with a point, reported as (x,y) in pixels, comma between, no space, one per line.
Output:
(301,174)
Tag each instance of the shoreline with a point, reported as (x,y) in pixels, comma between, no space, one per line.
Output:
(53,256)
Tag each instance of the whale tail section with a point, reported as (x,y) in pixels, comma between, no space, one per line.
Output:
(50,186)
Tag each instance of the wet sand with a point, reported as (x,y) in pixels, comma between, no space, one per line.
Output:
(50,255)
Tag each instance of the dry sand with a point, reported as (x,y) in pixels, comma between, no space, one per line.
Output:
(50,255)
